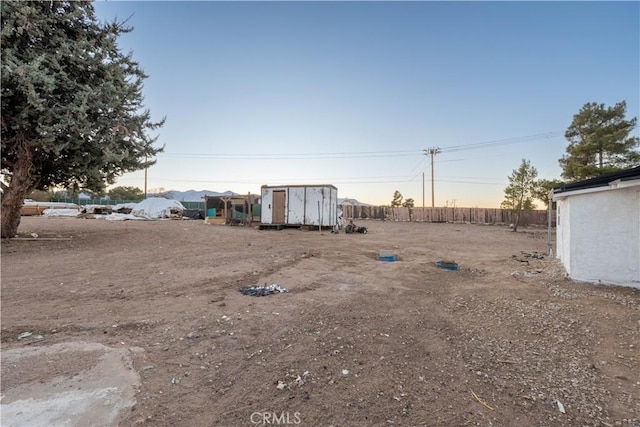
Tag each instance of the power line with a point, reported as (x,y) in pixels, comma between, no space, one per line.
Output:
(343,181)
(500,142)
(431,152)
(472,177)
(294,156)
(359,154)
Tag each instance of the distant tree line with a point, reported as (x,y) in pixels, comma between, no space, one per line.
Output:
(599,143)
(134,194)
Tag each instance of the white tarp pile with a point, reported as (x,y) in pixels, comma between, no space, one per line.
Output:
(151,208)
(61,212)
(115,216)
(97,209)
(31,207)
(158,207)
(50,205)
(124,207)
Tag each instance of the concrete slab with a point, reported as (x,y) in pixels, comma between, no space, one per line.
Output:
(67,384)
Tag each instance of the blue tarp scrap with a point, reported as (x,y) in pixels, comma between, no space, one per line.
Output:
(259,291)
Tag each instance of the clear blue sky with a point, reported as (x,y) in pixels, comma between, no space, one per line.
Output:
(351,93)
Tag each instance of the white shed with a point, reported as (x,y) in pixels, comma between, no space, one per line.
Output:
(298,205)
(598,228)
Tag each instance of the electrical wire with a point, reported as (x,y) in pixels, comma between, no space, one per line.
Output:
(364,154)
(500,142)
(343,181)
(360,154)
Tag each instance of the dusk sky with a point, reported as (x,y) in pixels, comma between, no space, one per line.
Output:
(351,93)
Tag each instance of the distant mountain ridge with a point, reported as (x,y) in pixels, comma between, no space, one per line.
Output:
(352,202)
(195,196)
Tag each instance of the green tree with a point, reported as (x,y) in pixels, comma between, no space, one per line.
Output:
(396,202)
(71,193)
(543,187)
(94,194)
(126,193)
(599,142)
(40,196)
(518,195)
(72,111)
(409,203)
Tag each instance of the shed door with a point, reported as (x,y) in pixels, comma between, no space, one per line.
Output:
(278,207)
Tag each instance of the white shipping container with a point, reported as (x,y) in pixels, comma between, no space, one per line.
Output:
(298,205)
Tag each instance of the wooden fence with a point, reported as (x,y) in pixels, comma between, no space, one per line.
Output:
(471,215)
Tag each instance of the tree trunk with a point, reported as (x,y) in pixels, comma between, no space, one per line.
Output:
(515,224)
(19,186)
(601,161)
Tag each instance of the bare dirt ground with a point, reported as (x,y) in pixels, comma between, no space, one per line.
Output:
(506,340)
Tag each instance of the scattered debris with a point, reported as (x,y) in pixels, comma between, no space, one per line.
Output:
(352,228)
(24,335)
(345,372)
(192,335)
(39,236)
(560,406)
(485,404)
(97,209)
(301,380)
(259,291)
(29,335)
(527,273)
(525,257)
(293,380)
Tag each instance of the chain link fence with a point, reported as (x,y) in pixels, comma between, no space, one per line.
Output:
(111,202)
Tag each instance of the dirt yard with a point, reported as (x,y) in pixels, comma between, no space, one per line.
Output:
(506,340)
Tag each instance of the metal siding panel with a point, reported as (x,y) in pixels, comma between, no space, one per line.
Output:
(295,206)
(265,209)
(311,203)
(333,207)
(325,200)
(321,206)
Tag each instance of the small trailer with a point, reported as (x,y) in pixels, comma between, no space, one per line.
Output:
(298,206)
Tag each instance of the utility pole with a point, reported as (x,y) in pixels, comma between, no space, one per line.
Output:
(432,152)
(422,196)
(145,177)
